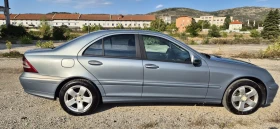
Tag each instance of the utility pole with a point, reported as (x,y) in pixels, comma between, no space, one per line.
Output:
(7,12)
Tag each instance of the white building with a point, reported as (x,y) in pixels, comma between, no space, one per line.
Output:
(77,21)
(213,20)
(166,19)
(235,25)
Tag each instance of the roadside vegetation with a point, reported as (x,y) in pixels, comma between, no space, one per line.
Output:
(271,52)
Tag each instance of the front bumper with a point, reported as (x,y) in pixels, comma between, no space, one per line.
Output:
(43,86)
(271,93)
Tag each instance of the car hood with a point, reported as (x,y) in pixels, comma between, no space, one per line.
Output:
(231,61)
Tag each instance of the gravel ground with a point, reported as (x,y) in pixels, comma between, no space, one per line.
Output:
(20,110)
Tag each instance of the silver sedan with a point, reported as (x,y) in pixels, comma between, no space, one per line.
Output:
(129,66)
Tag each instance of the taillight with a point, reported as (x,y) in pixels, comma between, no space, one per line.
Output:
(27,67)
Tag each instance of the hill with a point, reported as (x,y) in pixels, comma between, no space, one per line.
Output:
(240,13)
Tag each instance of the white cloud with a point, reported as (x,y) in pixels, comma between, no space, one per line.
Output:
(159,6)
(78,4)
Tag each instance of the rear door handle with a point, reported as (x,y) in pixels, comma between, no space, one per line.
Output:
(94,62)
(151,66)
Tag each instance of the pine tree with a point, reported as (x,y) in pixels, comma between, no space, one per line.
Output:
(193,29)
(271,25)
(227,22)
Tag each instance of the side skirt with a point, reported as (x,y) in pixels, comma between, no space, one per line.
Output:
(158,100)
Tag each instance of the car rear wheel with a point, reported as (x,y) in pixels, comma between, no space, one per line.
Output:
(243,97)
(79,97)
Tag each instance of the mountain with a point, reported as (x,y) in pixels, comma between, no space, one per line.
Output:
(240,13)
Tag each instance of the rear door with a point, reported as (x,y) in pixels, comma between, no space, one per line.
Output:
(116,62)
(168,71)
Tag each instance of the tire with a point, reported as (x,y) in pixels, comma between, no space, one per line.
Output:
(249,103)
(81,96)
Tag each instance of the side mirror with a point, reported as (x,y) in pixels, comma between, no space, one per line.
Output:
(196,61)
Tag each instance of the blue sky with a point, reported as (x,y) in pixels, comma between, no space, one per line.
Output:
(128,6)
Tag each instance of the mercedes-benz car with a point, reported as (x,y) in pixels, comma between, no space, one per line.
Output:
(130,66)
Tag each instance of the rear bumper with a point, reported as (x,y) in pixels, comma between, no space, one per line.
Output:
(43,86)
(271,93)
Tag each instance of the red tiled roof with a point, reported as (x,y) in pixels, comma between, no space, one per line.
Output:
(34,16)
(66,16)
(2,17)
(95,17)
(236,22)
(133,17)
(105,17)
(12,16)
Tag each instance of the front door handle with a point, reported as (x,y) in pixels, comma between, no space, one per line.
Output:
(94,62)
(151,66)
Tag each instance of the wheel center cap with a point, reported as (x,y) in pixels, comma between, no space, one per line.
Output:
(243,98)
(79,98)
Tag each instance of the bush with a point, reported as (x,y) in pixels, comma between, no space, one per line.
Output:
(73,36)
(273,51)
(238,36)
(9,45)
(35,35)
(206,40)
(183,36)
(58,33)
(224,34)
(25,40)
(48,44)
(255,34)
(12,54)
(12,31)
(235,41)
(192,42)
(214,31)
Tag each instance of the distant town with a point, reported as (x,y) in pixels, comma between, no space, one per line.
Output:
(107,21)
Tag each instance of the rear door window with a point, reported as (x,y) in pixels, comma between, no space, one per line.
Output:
(122,45)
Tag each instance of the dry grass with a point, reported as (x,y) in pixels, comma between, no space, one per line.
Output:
(275,118)
(149,125)
(271,52)
(201,121)
(218,52)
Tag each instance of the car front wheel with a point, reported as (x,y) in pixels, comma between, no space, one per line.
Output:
(79,97)
(243,97)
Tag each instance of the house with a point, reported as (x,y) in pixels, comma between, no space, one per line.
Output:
(213,20)
(166,19)
(235,25)
(182,22)
(77,21)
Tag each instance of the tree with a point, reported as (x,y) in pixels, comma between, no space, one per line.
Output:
(227,22)
(119,26)
(45,29)
(271,25)
(61,33)
(203,24)
(255,34)
(171,28)
(214,31)
(193,29)
(158,25)
(86,28)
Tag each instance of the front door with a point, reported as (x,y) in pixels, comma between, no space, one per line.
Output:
(168,71)
(116,62)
